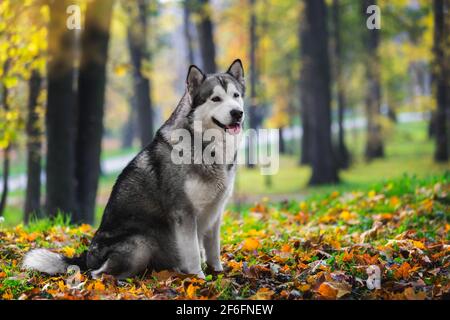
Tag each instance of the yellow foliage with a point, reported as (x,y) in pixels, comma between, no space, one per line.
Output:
(251,244)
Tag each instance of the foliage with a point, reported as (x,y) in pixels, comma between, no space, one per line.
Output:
(315,249)
(23,45)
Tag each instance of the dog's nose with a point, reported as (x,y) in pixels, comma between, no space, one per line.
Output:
(236,114)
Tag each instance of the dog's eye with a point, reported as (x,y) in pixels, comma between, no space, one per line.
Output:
(236,95)
(216,99)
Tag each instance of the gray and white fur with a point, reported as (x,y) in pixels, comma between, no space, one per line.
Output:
(162,215)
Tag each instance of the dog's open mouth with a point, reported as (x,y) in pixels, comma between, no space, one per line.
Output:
(234,128)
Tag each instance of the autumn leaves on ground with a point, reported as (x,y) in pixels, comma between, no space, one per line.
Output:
(322,248)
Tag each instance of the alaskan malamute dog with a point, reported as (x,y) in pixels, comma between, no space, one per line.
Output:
(163,215)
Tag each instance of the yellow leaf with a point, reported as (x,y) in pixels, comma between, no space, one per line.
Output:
(98,286)
(61,285)
(346,216)
(7,295)
(69,252)
(85,228)
(418,244)
(303,206)
(250,244)
(191,290)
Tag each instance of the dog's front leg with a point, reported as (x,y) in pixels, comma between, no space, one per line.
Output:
(212,246)
(188,245)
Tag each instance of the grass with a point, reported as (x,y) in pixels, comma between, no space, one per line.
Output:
(409,151)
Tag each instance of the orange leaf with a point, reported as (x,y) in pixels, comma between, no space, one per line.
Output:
(61,285)
(250,244)
(7,295)
(403,271)
(191,290)
(99,286)
(411,294)
(327,291)
(235,266)
(263,294)
(394,201)
(348,256)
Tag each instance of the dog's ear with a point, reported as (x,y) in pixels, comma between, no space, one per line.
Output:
(237,71)
(194,79)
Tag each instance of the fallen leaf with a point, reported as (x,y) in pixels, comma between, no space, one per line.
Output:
(411,294)
(263,294)
(250,244)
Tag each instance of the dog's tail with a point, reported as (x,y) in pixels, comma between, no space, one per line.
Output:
(52,263)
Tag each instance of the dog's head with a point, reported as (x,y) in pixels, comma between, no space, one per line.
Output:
(217,100)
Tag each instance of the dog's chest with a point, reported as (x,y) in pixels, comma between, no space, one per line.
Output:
(208,195)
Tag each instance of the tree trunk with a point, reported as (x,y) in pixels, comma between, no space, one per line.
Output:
(343,156)
(317,95)
(282,141)
(305,157)
(91,91)
(129,130)
(60,115)
(252,111)
(4,196)
(187,31)
(139,53)
(34,149)
(205,36)
(442,80)
(6,151)
(374,144)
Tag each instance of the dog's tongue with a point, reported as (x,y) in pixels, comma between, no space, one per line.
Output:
(234,129)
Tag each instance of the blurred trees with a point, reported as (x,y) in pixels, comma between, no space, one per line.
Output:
(22,42)
(187,31)
(34,130)
(342,153)
(441,72)
(140,56)
(61,112)
(91,99)
(316,94)
(203,20)
(45,68)
(7,149)
(374,144)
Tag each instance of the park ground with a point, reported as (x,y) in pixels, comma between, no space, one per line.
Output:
(289,241)
(324,247)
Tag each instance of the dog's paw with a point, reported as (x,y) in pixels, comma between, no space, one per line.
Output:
(216,267)
(200,275)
